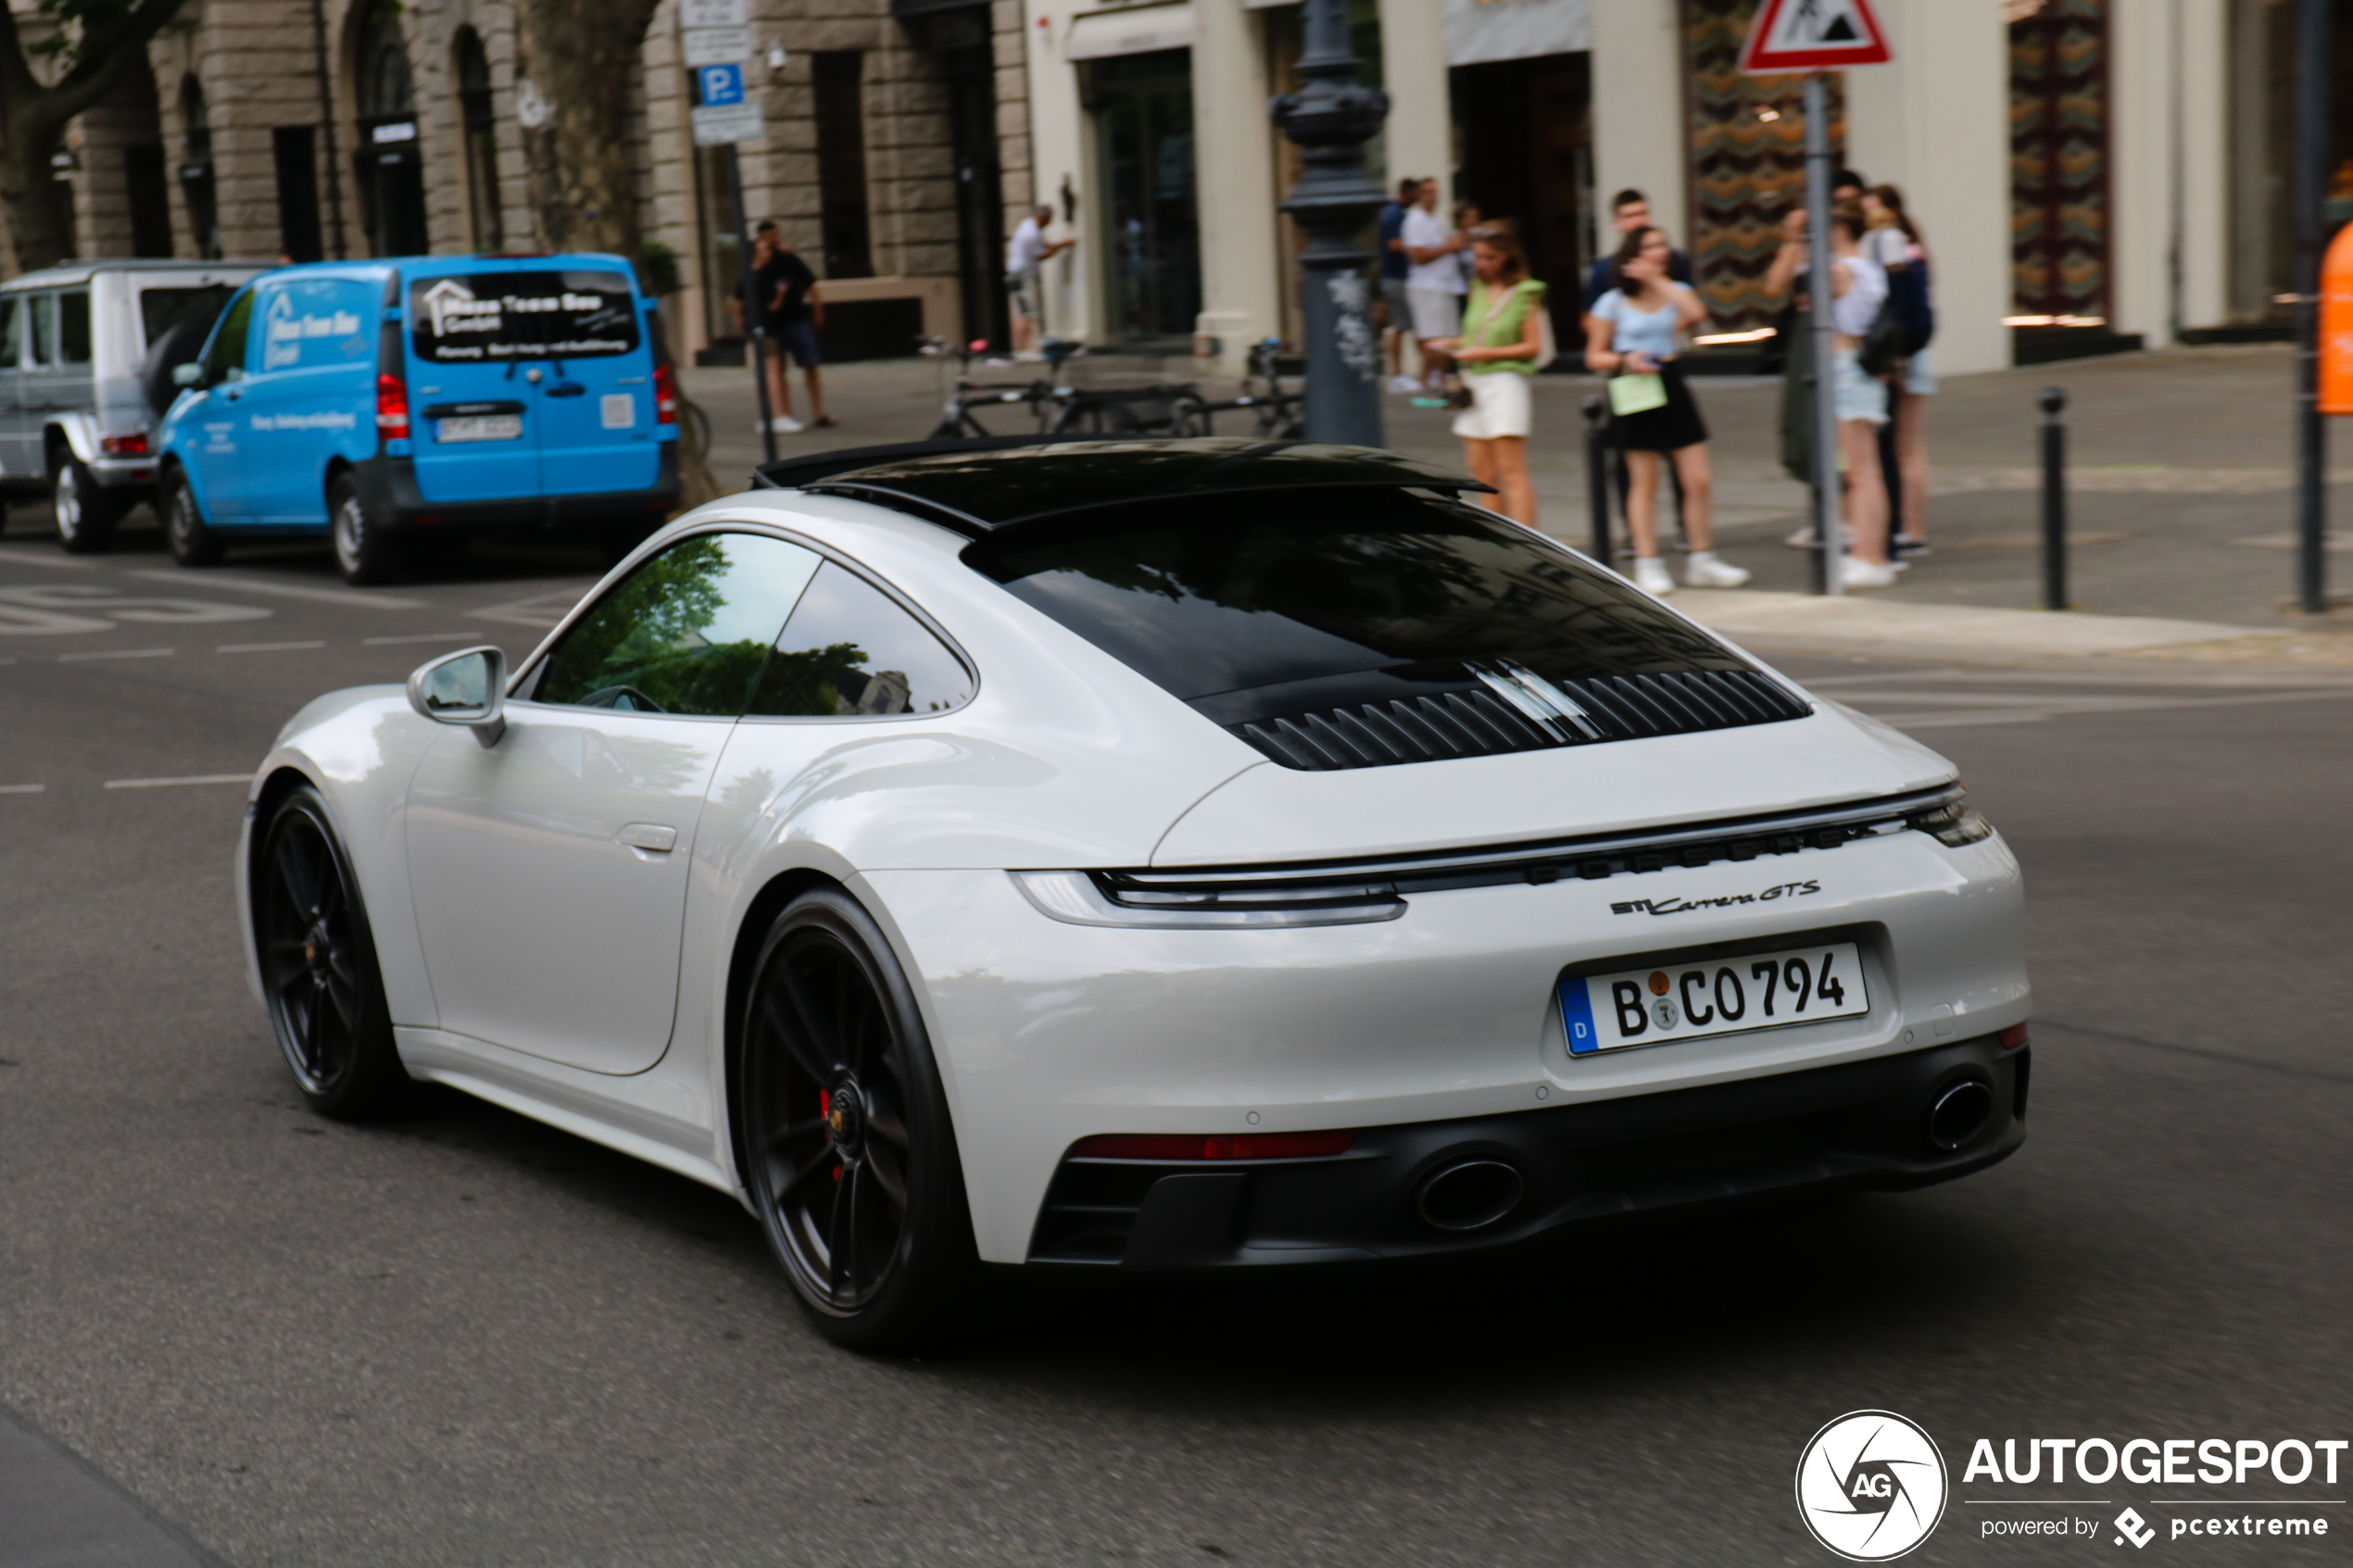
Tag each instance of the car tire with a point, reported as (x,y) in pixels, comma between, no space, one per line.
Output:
(192,540)
(366,551)
(319,974)
(849,1159)
(86,511)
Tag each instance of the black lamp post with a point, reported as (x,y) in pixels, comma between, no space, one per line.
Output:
(1331,118)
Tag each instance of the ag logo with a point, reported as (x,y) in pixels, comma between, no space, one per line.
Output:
(1870,1486)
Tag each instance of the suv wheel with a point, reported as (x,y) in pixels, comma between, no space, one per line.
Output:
(366,551)
(194,541)
(86,511)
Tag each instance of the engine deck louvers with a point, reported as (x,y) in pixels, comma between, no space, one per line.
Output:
(1478,723)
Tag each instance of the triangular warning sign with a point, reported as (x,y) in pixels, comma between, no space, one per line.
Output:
(1814,35)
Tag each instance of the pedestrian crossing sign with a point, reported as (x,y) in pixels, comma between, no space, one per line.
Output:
(1814,35)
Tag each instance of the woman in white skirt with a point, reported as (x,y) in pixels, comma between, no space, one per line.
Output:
(1500,347)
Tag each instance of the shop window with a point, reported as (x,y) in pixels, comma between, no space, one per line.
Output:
(1148,228)
(196,171)
(481,126)
(837,77)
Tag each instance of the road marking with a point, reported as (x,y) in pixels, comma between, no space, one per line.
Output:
(191,778)
(263,647)
(22,789)
(542,610)
(419,637)
(284,590)
(26,557)
(121,653)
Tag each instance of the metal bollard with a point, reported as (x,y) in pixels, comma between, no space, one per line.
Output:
(1597,478)
(2052,401)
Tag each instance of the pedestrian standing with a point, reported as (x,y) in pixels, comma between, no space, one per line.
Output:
(1628,210)
(1394,265)
(1433,281)
(1634,331)
(755,313)
(1499,348)
(1025,256)
(1893,241)
(1858,287)
(792,314)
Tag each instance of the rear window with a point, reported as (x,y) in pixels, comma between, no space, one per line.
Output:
(1262,605)
(496,317)
(162,310)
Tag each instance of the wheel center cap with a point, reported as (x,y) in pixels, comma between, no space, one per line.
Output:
(315,948)
(846,1118)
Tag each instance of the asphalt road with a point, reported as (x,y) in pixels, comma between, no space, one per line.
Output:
(464,1338)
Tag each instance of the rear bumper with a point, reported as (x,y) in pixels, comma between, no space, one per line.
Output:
(1861,1124)
(388,486)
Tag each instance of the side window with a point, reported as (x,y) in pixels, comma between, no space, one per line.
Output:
(227,360)
(312,322)
(686,632)
(850,651)
(43,308)
(12,334)
(73,328)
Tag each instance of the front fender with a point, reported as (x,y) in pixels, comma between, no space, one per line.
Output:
(360,749)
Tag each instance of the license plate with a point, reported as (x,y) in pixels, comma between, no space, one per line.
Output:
(1654,1007)
(479,427)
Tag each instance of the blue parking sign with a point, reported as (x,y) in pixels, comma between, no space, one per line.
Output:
(721,85)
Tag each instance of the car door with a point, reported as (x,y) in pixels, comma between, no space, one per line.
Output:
(32,378)
(17,451)
(218,454)
(550,869)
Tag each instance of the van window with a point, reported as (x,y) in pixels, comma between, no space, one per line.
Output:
(73,328)
(12,334)
(43,308)
(162,310)
(309,322)
(498,317)
(227,360)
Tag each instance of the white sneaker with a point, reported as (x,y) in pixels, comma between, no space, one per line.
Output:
(1651,576)
(786,423)
(1857,572)
(1803,539)
(1704,570)
(1403,383)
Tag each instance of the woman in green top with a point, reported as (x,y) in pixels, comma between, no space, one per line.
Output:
(1499,348)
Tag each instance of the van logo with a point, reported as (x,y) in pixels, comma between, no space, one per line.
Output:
(285,333)
(454,309)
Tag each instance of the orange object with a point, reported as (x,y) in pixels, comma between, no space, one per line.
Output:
(2336,325)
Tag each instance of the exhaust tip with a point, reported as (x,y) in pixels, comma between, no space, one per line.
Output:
(1959,1113)
(1468,1195)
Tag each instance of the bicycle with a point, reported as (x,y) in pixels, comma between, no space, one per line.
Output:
(1276,415)
(959,418)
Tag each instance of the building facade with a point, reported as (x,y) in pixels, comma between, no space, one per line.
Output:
(2081,168)
(897,138)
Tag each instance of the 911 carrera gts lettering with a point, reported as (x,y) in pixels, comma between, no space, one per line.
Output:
(1684,906)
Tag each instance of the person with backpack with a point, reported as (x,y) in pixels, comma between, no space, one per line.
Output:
(1893,241)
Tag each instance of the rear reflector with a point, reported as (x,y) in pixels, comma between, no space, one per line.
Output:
(2012,1038)
(124,446)
(1214,1146)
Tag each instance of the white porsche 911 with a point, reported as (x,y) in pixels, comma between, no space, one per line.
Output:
(1146,854)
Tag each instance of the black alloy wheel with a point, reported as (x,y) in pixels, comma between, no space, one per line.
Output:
(318,970)
(192,540)
(850,1160)
(86,511)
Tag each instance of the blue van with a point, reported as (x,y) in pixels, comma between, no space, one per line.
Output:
(419,398)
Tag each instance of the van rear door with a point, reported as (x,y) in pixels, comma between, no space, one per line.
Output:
(597,431)
(471,410)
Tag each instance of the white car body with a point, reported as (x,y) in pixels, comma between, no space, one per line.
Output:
(533,955)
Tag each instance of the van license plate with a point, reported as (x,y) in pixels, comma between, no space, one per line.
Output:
(1689,1001)
(480,427)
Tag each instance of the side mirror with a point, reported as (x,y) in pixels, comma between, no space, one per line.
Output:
(467,688)
(190,374)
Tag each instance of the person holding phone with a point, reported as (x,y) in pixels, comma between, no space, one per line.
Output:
(1635,329)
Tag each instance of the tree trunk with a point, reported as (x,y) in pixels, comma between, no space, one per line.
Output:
(580,61)
(40,215)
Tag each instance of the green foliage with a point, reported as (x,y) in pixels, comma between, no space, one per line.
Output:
(646,638)
(813,683)
(657,269)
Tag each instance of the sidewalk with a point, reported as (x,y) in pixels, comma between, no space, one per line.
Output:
(2180,503)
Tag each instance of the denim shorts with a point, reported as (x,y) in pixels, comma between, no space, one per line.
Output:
(797,338)
(1919,375)
(1858,397)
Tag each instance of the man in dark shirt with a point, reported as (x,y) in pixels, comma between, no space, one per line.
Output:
(1628,210)
(793,315)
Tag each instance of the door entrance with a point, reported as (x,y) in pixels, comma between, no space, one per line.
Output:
(1148,228)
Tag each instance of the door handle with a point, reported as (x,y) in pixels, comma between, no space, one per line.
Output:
(651,838)
(567,389)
